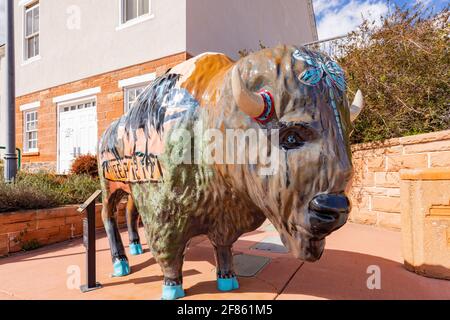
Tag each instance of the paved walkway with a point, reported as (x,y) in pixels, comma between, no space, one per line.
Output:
(340,274)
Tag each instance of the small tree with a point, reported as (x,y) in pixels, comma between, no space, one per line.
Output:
(403,69)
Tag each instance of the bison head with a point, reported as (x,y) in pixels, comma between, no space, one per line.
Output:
(305,199)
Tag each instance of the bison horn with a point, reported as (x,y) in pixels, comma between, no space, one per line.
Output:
(250,103)
(357,106)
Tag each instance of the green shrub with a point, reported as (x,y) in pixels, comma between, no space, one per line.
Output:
(31,245)
(403,69)
(77,188)
(45,190)
(14,197)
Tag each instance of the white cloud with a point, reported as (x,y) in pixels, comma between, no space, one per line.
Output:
(425,3)
(2,21)
(340,17)
(323,5)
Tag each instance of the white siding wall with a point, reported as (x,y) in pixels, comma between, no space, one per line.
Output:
(97,46)
(232,25)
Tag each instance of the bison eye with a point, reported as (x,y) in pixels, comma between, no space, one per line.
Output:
(291,140)
(295,137)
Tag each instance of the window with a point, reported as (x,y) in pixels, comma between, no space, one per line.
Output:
(74,107)
(132,9)
(131,95)
(32,31)
(30,131)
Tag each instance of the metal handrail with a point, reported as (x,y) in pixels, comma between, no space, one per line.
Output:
(326,40)
(330,46)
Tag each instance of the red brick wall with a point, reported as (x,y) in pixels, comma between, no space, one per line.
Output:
(376,185)
(46,226)
(109,105)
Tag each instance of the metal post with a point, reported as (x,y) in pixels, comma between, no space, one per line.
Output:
(10,154)
(19,156)
(89,243)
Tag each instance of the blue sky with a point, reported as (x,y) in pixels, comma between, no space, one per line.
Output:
(334,17)
(338,17)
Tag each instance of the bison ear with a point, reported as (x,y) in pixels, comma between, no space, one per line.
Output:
(357,106)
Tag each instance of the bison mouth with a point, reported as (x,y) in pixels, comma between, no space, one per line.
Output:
(326,213)
(303,245)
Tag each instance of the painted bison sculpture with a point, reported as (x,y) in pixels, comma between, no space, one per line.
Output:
(171,154)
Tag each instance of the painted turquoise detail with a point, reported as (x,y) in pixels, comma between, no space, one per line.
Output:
(136,249)
(121,268)
(269,107)
(319,69)
(227,284)
(172,292)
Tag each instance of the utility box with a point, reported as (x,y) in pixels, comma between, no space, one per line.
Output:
(425,220)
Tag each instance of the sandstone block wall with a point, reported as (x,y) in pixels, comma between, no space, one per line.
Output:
(375,192)
(23,230)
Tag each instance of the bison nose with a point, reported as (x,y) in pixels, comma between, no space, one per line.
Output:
(327,213)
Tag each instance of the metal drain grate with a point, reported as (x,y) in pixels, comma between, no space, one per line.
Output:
(248,266)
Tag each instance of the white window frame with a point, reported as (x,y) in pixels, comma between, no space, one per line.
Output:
(26,141)
(126,94)
(139,19)
(28,6)
(76,104)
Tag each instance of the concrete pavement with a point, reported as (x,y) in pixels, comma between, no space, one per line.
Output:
(342,273)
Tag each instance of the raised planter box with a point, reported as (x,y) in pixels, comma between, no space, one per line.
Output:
(425,213)
(25,230)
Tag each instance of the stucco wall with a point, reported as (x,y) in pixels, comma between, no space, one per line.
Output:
(232,25)
(69,53)
(376,186)
(84,38)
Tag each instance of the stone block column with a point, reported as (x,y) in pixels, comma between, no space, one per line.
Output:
(425,221)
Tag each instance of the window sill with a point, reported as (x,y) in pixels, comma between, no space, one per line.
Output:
(31,60)
(32,153)
(135,21)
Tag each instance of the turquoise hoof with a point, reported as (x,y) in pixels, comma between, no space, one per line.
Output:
(172,292)
(121,268)
(227,284)
(136,249)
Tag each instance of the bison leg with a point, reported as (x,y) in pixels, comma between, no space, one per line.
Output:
(132,223)
(226,278)
(173,275)
(119,259)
